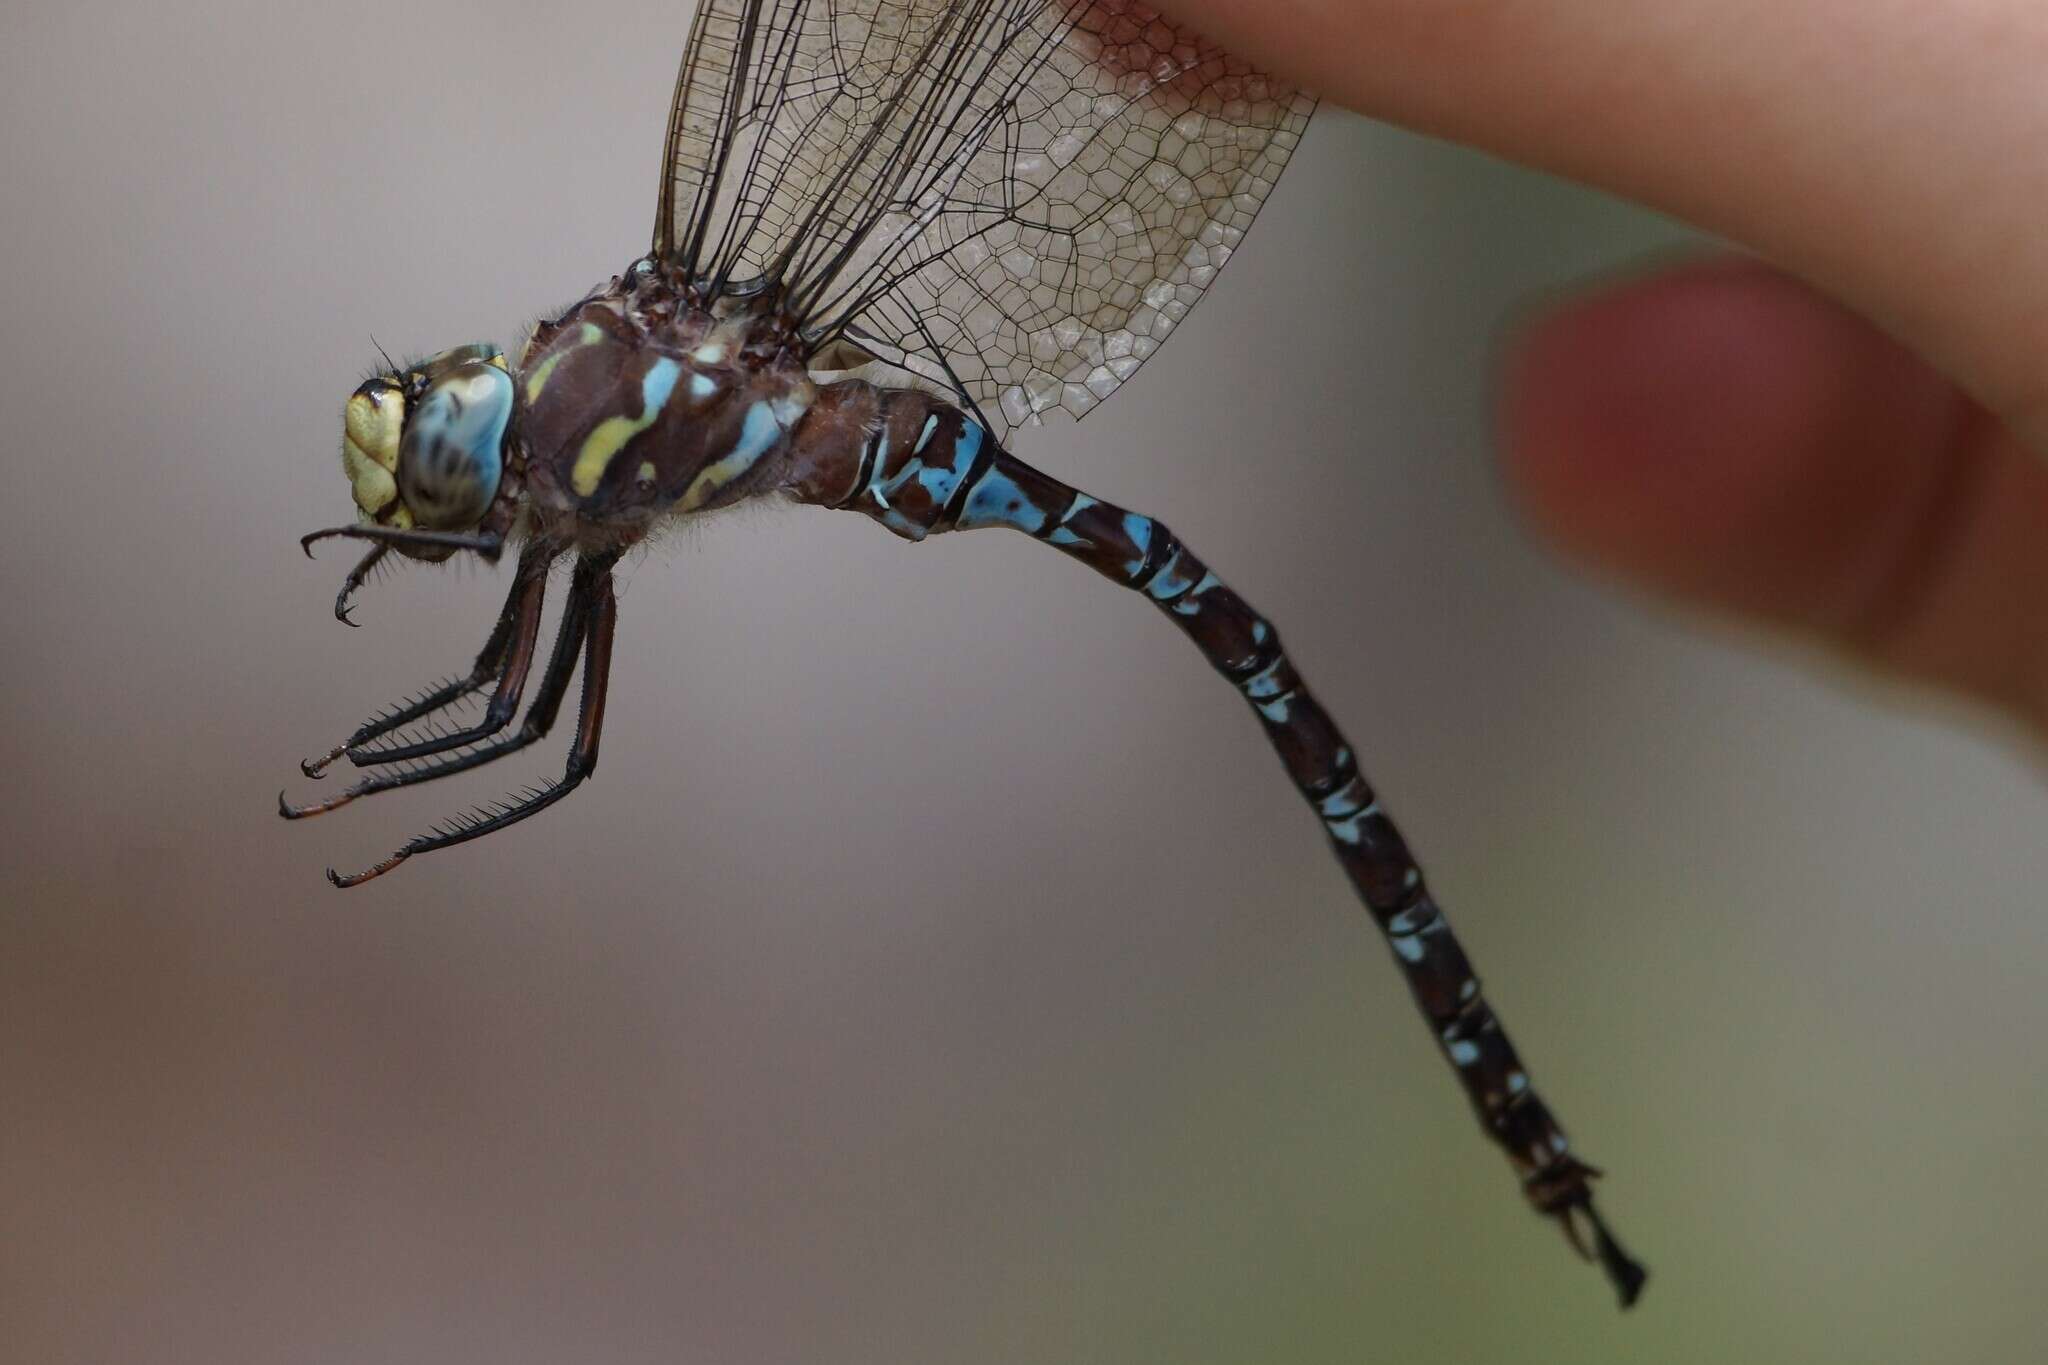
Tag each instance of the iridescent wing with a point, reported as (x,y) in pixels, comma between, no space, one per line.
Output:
(1012,200)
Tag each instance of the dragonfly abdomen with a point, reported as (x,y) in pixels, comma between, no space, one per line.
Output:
(905,457)
(925,467)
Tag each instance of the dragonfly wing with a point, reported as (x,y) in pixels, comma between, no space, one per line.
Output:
(1011,200)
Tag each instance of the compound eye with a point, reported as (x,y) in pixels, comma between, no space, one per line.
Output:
(451,360)
(453,452)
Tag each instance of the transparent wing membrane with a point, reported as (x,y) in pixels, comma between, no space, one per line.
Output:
(1015,200)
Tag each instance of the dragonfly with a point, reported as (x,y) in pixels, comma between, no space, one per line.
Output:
(890,235)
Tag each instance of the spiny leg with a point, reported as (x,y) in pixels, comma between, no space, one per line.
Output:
(590,620)
(357,576)
(539,717)
(516,661)
(516,664)
(490,663)
(489,544)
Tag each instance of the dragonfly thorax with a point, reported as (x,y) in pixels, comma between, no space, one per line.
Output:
(637,405)
(424,447)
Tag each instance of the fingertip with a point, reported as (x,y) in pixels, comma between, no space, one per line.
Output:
(1716,431)
(1725,436)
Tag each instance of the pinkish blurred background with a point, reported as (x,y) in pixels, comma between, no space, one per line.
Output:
(939,968)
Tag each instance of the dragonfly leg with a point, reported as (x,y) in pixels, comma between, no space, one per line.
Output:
(489,544)
(490,663)
(589,622)
(357,576)
(515,663)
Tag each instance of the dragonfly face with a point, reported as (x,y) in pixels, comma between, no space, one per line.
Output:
(425,448)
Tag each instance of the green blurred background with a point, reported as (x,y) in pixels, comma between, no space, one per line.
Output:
(779,1043)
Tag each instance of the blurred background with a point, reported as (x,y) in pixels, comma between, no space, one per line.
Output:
(777,1044)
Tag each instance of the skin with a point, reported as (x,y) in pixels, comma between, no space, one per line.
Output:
(1845,443)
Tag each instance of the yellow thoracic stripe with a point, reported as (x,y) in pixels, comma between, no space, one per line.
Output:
(587,335)
(760,432)
(602,446)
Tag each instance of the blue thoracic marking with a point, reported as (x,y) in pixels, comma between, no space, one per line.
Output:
(658,384)
(760,431)
(611,436)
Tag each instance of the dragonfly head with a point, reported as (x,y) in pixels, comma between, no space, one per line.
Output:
(424,446)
